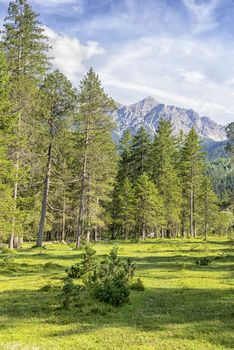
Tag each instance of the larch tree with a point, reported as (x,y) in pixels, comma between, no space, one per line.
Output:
(59,104)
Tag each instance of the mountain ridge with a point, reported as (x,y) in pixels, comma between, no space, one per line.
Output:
(148,111)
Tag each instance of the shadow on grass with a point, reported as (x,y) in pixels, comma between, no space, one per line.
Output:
(200,313)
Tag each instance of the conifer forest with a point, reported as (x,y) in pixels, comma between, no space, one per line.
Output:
(90,222)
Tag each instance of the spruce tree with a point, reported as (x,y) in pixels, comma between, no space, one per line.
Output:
(140,154)
(126,208)
(7,121)
(164,173)
(149,206)
(192,170)
(97,151)
(26,49)
(123,172)
(208,206)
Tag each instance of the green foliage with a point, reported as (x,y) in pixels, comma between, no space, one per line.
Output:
(149,206)
(86,266)
(137,285)
(106,281)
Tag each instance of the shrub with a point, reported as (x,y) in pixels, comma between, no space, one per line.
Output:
(70,293)
(86,265)
(203,261)
(106,281)
(138,285)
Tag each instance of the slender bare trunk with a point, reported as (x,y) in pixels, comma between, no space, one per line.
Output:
(64,216)
(96,233)
(191,206)
(82,194)
(45,197)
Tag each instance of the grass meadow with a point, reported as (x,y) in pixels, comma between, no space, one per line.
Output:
(184,306)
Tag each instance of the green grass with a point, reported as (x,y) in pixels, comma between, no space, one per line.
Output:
(184,306)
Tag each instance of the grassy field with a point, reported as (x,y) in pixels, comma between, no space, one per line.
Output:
(184,306)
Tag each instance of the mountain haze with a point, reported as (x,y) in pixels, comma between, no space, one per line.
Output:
(149,111)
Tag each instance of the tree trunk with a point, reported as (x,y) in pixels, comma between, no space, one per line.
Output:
(191,213)
(64,216)
(96,234)
(45,198)
(82,193)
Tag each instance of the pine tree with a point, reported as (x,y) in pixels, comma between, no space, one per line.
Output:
(165,174)
(58,108)
(149,206)
(140,154)
(95,127)
(192,170)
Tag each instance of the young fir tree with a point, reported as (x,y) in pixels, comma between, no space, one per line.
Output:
(26,49)
(192,169)
(165,174)
(97,150)
(149,206)
(6,167)
(59,103)
(140,154)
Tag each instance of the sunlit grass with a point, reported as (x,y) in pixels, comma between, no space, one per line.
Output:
(184,306)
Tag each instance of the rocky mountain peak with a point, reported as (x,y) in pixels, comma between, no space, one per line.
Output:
(149,111)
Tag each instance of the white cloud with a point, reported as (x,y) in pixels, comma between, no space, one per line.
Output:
(193,77)
(70,56)
(203,14)
(180,71)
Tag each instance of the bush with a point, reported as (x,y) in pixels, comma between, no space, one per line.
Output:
(138,285)
(203,261)
(106,281)
(70,293)
(86,265)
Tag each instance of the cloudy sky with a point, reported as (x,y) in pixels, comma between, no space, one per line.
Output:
(179,51)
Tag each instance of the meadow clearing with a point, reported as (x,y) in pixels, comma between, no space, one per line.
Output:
(184,305)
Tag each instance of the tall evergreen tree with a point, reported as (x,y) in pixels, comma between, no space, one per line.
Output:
(140,154)
(59,105)
(6,167)
(126,208)
(192,169)
(149,206)
(95,126)
(165,174)
(26,49)
(208,206)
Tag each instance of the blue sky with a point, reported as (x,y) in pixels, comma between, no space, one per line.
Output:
(179,51)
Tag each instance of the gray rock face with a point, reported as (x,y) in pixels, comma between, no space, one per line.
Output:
(148,112)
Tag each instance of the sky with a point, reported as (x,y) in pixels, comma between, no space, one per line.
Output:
(181,52)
